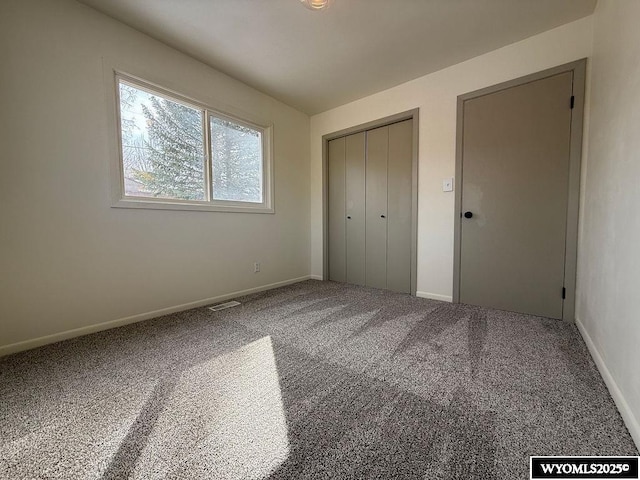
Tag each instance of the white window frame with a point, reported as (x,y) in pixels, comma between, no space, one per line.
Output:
(122,200)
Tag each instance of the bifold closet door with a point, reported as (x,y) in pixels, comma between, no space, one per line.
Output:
(388,207)
(377,153)
(399,170)
(337,203)
(347,209)
(355,207)
(370,207)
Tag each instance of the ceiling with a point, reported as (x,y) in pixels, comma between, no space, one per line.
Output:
(315,61)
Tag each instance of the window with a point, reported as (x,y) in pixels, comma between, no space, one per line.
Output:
(178,154)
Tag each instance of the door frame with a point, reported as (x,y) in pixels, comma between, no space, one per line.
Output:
(414,115)
(578,68)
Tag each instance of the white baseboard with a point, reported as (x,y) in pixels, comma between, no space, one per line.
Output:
(434,296)
(77,332)
(316,277)
(627,414)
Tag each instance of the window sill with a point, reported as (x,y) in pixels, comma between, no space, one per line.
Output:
(229,207)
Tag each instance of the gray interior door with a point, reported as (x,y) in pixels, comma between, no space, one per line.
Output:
(515,184)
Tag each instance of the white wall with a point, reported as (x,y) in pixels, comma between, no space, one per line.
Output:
(436,95)
(67,259)
(608,308)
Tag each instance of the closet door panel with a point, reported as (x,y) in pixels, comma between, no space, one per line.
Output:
(337,227)
(376,207)
(355,208)
(399,207)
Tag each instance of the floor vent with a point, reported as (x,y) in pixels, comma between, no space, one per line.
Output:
(222,306)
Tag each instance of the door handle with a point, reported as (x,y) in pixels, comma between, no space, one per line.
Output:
(468,214)
(382,216)
(348,217)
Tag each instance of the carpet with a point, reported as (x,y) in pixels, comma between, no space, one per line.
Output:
(310,381)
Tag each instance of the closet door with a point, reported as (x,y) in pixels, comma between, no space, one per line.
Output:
(377,151)
(337,227)
(370,200)
(355,208)
(399,207)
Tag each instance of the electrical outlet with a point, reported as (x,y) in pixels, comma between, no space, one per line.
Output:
(256,267)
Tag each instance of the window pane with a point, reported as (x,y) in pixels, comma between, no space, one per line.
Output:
(236,153)
(162,146)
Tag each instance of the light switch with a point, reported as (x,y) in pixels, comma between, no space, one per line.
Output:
(447,185)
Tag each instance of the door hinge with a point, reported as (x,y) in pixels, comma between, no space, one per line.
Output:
(564,293)
(573,101)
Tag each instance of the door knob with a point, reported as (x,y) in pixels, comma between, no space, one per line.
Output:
(468,214)
(381,216)
(348,217)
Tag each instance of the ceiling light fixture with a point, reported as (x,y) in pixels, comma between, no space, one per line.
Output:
(316,5)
